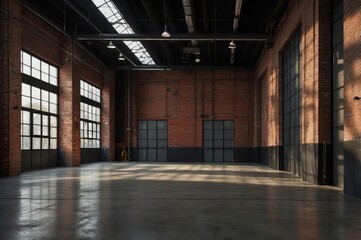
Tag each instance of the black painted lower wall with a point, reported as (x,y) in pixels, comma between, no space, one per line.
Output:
(270,156)
(38,159)
(313,162)
(90,155)
(352,168)
(182,154)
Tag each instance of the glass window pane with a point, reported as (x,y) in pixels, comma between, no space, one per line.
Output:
(53,132)
(228,124)
(36,118)
(26,70)
(53,143)
(162,124)
(35,73)
(218,143)
(45,143)
(53,81)
(36,143)
(162,143)
(45,131)
(35,104)
(162,134)
(26,58)
(35,92)
(152,143)
(152,125)
(25,117)
(53,71)
(44,95)
(208,124)
(25,130)
(36,130)
(35,63)
(53,121)
(53,108)
(218,134)
(228,143)
(25,89)
(53,98)
(45,68)
(208,143)
(152,134)
(26,102)
(218,124)
(25,143)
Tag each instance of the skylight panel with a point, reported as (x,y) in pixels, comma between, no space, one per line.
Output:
(116,19)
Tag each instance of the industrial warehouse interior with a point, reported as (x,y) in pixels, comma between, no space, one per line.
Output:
(180,119)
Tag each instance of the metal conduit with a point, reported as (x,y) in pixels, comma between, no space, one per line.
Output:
(237,13)
(188,12)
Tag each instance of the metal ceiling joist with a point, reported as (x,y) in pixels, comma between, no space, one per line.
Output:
(174,37)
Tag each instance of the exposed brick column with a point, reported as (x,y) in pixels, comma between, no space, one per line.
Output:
(69,122)
(325,71)
(10,89)
(108,118)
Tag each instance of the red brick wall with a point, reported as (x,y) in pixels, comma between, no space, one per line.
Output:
(30,33)
(10,86)
(352,69)
(313,16)
(183,97)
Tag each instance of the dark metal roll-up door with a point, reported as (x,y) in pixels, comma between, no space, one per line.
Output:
(152,140)
(218,141)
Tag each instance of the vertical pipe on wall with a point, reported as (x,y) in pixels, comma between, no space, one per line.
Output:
(212,95)
(129,122)
(195,110)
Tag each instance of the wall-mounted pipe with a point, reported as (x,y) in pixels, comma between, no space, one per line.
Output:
(129,122)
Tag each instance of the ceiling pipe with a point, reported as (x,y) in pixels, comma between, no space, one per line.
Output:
(237,13)
(189,17)
(257,37)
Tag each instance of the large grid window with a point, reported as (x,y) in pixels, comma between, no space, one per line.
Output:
(39,104)
(152,141)
(89,115)
(292,103)
(218,141)
(33,66)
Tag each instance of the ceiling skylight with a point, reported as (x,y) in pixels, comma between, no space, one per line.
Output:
(116,19)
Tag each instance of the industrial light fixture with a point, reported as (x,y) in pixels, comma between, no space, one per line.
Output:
(232,45)
(111,45)
(197,59)
(165,34)
(121,57)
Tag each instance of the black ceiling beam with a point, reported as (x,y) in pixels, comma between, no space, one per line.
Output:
(174,67)
(174,37)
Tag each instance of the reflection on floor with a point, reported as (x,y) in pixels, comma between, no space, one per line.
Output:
(173,201)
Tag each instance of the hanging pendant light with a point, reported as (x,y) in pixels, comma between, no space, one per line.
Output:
(165,34)
(111,45)
(121,57)
(232,45)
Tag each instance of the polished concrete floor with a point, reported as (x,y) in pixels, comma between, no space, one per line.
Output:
(173,201)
